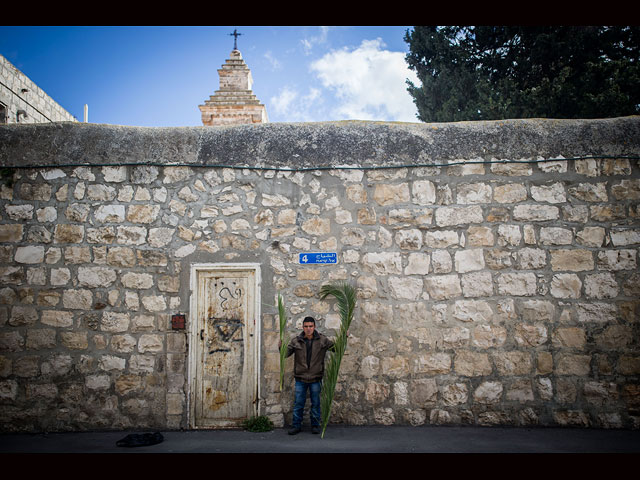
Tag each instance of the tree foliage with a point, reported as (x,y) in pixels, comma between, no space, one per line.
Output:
(498,72)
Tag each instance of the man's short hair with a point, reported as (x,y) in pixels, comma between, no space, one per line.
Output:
(309,320)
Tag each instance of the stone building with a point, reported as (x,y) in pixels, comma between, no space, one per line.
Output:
(234,103)
(496,265)
(22,101)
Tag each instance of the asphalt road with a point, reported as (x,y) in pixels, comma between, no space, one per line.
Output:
(342,439)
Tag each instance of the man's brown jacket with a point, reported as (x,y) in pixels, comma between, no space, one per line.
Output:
(315,370)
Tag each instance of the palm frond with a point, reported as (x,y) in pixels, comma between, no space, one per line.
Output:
(284,342)
(345,295)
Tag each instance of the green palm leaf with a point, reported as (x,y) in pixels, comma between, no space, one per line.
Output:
(345,295)
(284,341)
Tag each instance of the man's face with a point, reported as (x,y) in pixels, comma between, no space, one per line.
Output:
(308,328)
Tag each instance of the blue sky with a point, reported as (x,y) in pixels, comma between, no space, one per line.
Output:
(156,76)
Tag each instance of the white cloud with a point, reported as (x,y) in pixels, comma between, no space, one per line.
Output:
(309,42)
(369,82)
(295,107)
(275,63)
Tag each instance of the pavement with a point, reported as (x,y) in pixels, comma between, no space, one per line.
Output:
(341,439)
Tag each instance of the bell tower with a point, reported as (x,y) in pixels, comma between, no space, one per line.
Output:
(234,103)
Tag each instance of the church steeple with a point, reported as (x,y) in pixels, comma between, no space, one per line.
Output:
(234,103)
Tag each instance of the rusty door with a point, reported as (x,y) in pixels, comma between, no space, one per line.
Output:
(225,384)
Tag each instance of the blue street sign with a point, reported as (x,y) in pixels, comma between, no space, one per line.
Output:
(318,258)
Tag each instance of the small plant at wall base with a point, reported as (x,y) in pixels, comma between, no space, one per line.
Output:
(258,424)
(345,294)
(284,341)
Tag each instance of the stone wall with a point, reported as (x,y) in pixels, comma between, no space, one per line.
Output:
(496,265)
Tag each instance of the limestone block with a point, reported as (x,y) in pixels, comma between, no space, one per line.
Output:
(101,235)
(110,213)
(449,216)
(517,284)
(511,169)
(441,238)
(142,213)
(589,192)
(40,191)
(137,281)
(489,336)
(591,236)
(11,233)
(479,236)
(276,200)
(469,260)
(472,311)
(553,193)
(396,366)
(366,286)
(403,217)
(30,254)
(80,299)
(531,258)
(600,285)
(436,363)
(570,337)
(74,340)
(625,237)
(615,337)
(576,260)
(112,174)
(111,363)
(566,285)
(98,382)
(382,263)
(441,287)
(376,392)
(114,322)
(454,394)
(527,335)
(131,235)
(535,213)
(150,342)
(520,390)
(46,214)
(418,264)
(317,226)
(626,190)
(56,318)
(406,288)
(366,216)
(555,236)
(629,365)
(121,257)
(95,277)
(515,362)
(570,364)
(441,261)
(477,284)
(409,239)
(423,192)
(41,338)
(123,343)
(573,418)
(423,391)
(356,193)
(23,315)
(509,235)
(596,313)
(376,314)
(455,337)
(19,212)
(510,193)
(154,303)
(68,233)
(472,364)
(624,259)
(488,393)
(473,193)
(391,194)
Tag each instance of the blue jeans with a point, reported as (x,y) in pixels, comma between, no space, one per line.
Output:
(301,398)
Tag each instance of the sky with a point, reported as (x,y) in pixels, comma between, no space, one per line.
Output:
(156,76)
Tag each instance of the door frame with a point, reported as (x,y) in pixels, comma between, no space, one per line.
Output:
(192,338)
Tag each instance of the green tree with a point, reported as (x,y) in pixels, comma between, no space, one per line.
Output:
(497,72)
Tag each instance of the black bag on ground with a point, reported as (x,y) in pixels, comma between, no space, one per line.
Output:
(140,439)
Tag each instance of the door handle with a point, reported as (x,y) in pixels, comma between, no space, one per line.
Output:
(202,334)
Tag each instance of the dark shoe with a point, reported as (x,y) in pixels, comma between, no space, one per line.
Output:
(294,431)
(140,440)
(315,430)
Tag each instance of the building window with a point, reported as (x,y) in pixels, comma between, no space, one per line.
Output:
(3,113)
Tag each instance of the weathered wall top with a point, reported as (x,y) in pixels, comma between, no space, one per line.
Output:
(313,145)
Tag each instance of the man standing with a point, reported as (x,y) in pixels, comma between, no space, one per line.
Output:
(310,348)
